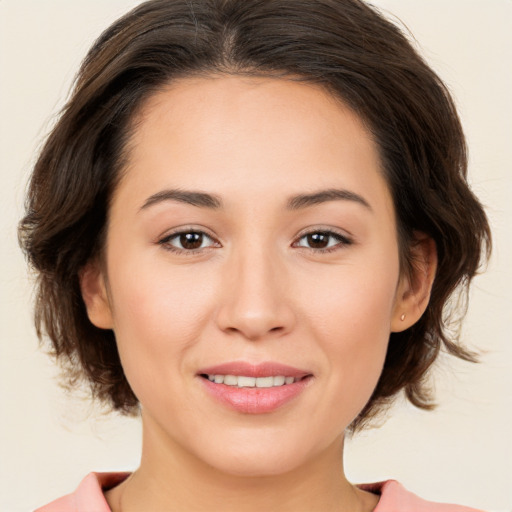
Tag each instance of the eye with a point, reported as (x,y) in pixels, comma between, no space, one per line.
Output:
(187,241)
(323,241)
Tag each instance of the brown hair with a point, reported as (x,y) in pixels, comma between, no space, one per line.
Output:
(344,45)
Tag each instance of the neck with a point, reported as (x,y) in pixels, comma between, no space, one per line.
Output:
(170,478)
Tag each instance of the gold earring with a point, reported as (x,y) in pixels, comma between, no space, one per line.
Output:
(402,317)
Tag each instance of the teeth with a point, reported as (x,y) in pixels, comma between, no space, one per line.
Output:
(230,380)
(243,381)
(279,380)
(264,382)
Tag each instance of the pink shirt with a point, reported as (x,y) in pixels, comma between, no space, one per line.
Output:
(89,497)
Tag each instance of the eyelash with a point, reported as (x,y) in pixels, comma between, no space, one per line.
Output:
(342,241)
(166,242)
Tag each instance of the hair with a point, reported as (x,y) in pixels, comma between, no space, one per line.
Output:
(347,47)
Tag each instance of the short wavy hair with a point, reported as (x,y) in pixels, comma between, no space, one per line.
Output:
(345,46)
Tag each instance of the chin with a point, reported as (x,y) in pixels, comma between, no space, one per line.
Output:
(250,465)
(261,455)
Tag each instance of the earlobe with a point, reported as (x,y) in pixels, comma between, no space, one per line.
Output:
(413,292)
(94,294)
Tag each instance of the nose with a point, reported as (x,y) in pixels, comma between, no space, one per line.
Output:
(255,301)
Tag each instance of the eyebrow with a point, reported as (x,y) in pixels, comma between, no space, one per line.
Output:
(214,202)
(323,196)
(200,199)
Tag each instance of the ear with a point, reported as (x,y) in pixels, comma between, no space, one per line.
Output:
(94,293)
(413,293)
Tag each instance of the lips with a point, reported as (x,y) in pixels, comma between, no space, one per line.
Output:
(254,388)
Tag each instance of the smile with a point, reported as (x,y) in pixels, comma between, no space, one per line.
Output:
(244,381)
(254,388)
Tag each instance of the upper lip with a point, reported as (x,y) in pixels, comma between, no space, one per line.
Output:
(264,369)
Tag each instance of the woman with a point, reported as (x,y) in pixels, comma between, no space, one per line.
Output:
(247,223)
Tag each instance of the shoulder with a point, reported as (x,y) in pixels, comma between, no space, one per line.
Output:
(395,498)
(88,497)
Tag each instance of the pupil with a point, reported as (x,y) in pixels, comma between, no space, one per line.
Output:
(318,240)
(191,240)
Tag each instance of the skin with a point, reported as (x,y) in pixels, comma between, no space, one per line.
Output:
(255,291)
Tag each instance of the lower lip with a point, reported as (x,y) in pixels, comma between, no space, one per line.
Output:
(255,400)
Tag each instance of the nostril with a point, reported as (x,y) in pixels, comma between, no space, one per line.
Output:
(255,319)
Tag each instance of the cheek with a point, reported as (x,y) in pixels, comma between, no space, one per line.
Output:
(353,298)
(351,317)
(158,315)
(152,295)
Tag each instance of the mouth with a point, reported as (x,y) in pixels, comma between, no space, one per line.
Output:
(254,389)
(245,381)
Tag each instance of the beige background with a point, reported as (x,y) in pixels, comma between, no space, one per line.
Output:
(460,453)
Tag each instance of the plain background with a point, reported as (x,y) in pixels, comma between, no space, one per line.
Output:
(460,453)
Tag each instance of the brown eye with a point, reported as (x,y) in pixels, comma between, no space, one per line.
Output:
(187,241)
(191,240)
(323,241)
(318,240)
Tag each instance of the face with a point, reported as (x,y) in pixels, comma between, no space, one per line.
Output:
(252,236)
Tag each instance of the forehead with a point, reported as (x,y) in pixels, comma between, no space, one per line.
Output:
(244,135)
(214,108)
